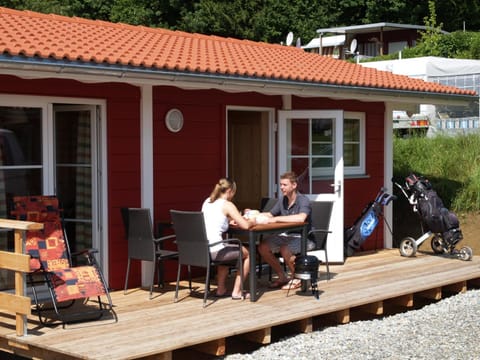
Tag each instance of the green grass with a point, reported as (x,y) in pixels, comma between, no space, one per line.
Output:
(451,163)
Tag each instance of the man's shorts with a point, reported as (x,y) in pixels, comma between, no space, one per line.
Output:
(293,241)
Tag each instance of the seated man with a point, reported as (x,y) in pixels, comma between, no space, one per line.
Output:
(292,207)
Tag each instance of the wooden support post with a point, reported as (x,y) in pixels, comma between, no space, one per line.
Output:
(163,356)
(474,283)
(342,316)
(20,283)
(459,287)
(19,262)
(432,294)
(304,325)
(375,308)
(262,336)
(404,300)
(214,347)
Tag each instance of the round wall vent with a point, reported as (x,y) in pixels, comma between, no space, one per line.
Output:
(174,120)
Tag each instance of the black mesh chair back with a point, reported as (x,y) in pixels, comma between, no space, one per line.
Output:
(321,214)
(194,247)
(192,241)
(142,244)
(140,235)
(268,204)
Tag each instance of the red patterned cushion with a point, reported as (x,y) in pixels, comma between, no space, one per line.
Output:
(77,283)
(47,248)
(39,208)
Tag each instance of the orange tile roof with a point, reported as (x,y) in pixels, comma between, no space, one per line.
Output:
(59,38)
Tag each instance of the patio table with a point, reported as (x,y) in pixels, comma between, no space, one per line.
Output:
(254,234)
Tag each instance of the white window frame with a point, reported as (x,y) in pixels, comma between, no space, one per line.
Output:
(46,103)
(348,170)
(360,169)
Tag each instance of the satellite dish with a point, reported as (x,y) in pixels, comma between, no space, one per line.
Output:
(353,46)
(289,38)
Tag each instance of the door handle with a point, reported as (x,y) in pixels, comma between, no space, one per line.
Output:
(337,187)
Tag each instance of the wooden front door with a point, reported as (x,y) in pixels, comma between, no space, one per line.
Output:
(248,156)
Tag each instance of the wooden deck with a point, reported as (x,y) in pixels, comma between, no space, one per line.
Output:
(159,328)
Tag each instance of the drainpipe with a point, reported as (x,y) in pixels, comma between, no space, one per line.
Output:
(388,172)
(146,161)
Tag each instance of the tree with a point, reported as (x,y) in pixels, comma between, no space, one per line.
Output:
(161,13)
(431,37)
(454,13)
(48,7)
(268,20)
(260,20)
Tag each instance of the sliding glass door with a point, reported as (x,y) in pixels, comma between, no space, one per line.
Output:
(50,148)
(75,176)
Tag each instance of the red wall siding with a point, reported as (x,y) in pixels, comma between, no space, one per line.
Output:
(124,187)
(123,137)
(360,191)
(188,163)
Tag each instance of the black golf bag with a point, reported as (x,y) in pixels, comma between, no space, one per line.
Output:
(433,215)
(364,225)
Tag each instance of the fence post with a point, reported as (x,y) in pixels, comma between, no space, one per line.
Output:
(20,282)
(19,262)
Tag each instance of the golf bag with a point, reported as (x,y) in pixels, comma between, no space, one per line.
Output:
(364,225)
(434,216)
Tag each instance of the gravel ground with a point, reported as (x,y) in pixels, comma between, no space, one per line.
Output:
(448,329)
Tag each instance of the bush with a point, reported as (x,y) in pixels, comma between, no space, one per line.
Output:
(451,163)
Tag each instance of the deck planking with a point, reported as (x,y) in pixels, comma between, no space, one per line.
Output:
(157,328)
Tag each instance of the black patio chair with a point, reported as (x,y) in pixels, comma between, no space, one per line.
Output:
(142,244)
(194,248)
(321,214)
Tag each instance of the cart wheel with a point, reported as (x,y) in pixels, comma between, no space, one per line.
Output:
(438,246)
(465,253)
(408,247)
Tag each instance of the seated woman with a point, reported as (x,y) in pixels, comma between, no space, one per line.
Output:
(218,211)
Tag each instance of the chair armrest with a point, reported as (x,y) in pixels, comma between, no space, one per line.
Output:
(319,230)
(85,252)
(158,243)
(226,241)
(230,241)
(163,238)
(233,241)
